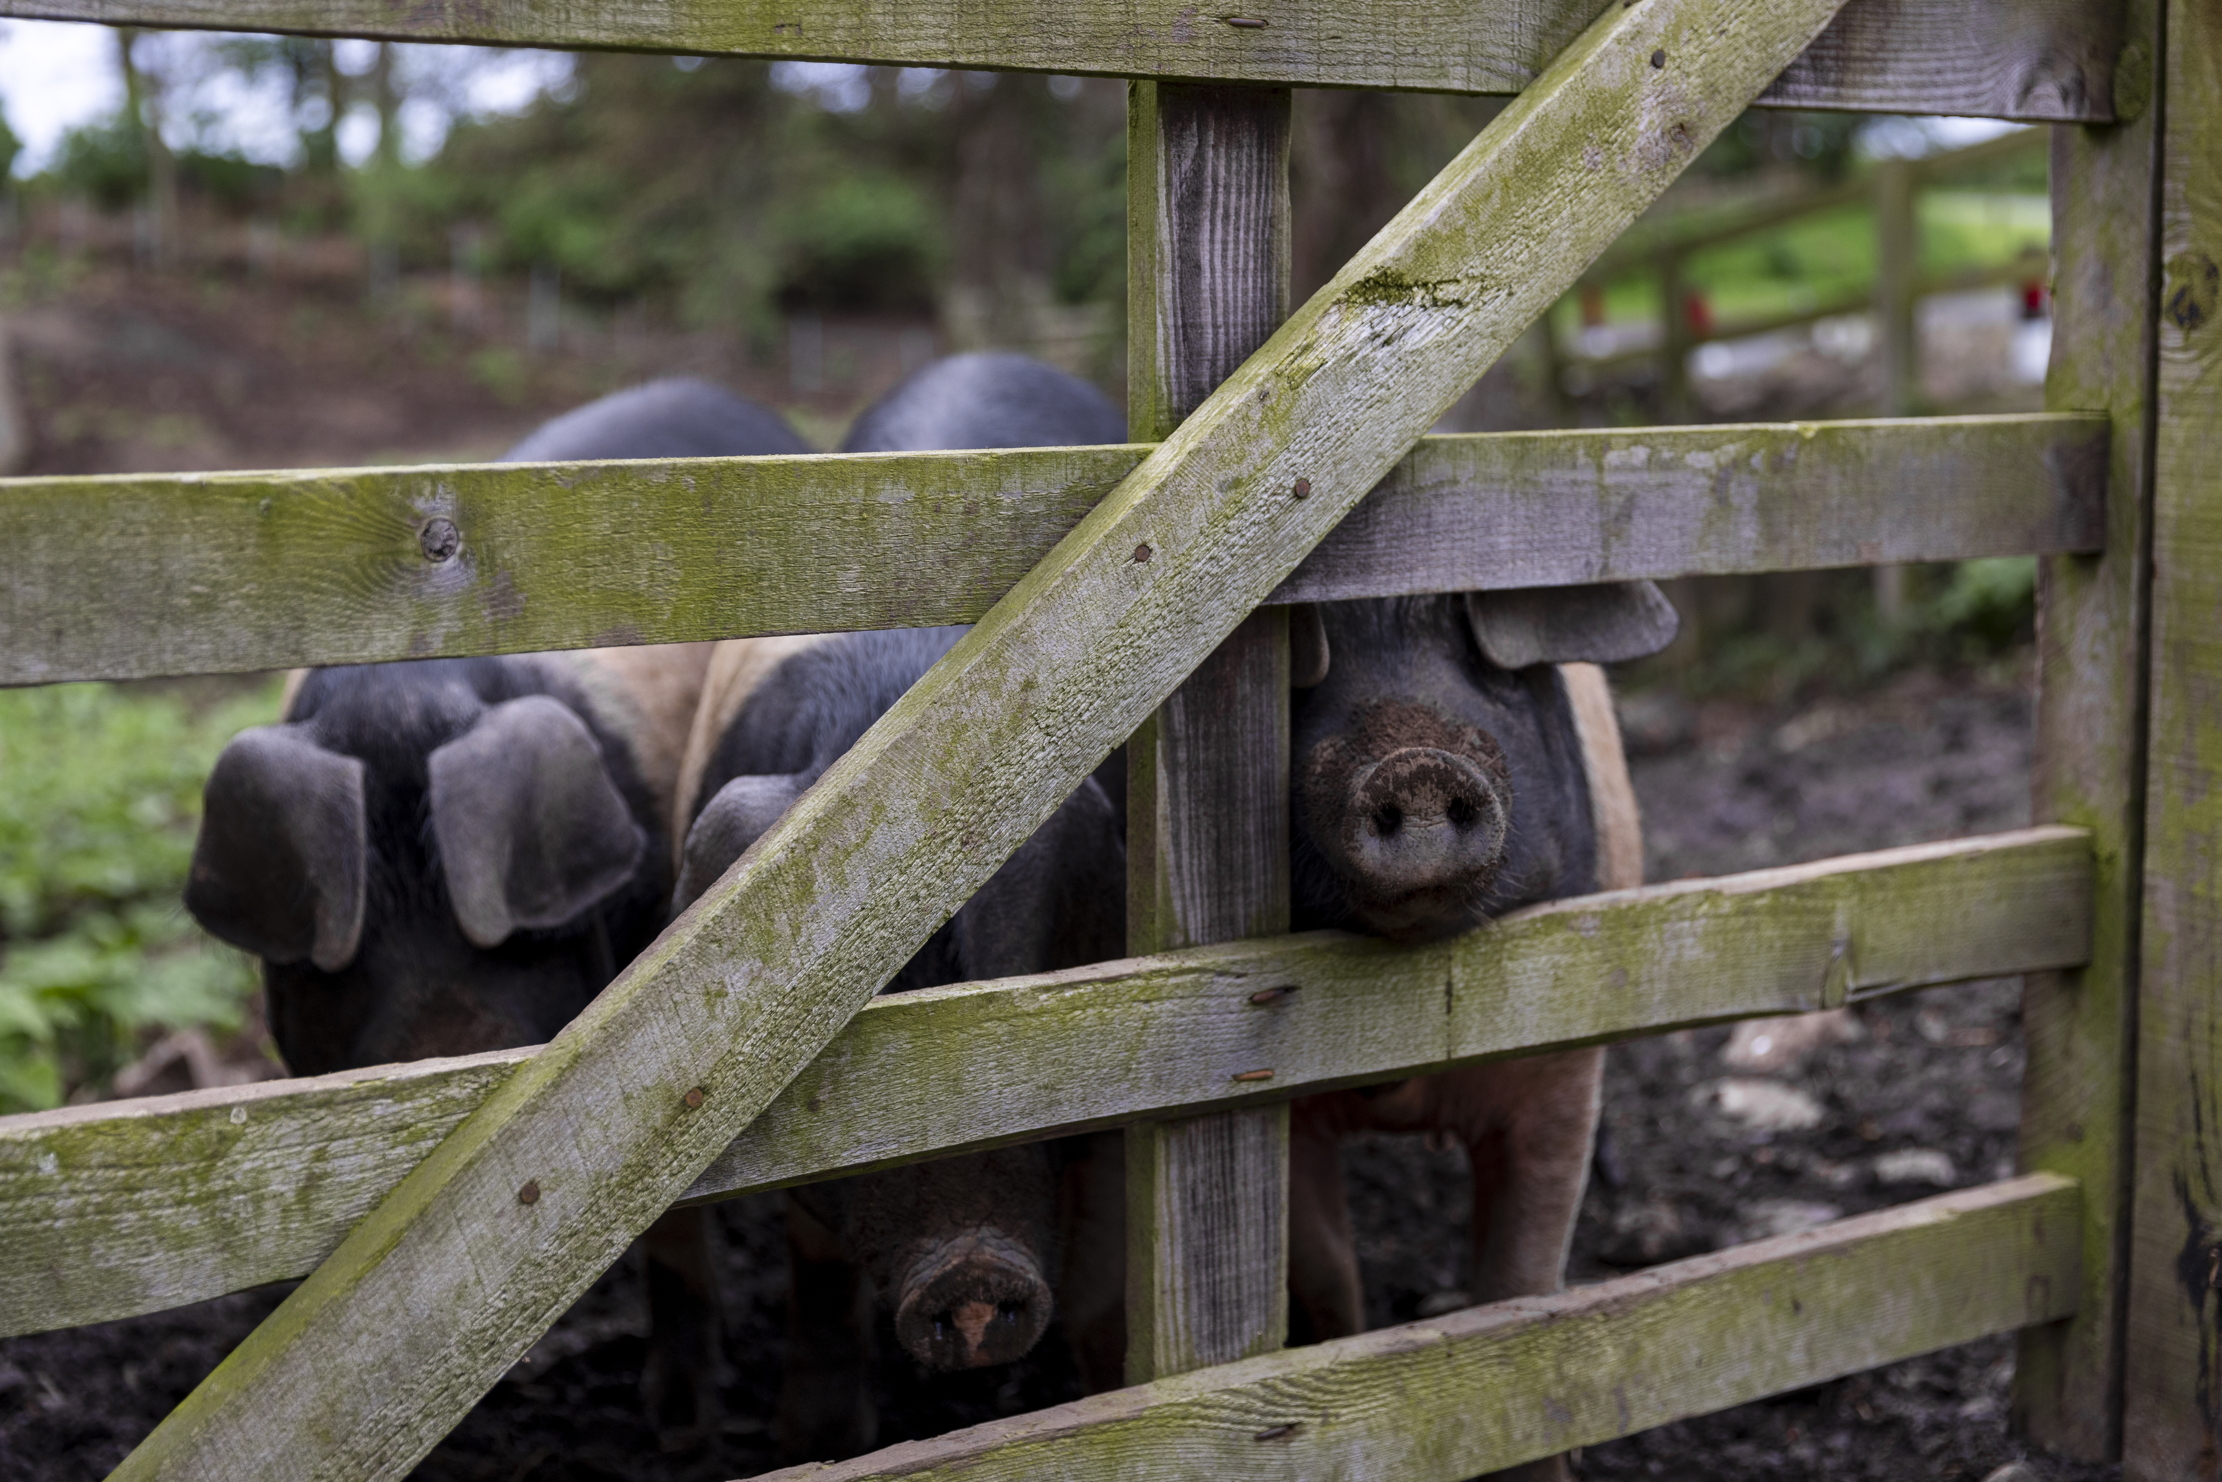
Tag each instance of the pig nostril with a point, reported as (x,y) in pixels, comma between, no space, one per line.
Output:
(1463,813)
(1010,1312)
(1387,819)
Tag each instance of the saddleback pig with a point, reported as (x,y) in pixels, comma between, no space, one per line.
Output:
(963,1251)
(445,856)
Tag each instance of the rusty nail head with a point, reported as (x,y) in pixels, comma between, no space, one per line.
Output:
(693,1098)
(1274,1433)
(530,1193)
(1303,489)
(438,539)
(1143,552)
(1658,59)
(1254,1075)
(1273,995)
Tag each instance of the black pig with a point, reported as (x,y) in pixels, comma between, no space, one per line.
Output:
(963,1250)
(445,856)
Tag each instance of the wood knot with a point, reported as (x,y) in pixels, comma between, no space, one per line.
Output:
(1273,995)
(1247,22)
(1253,1075)
(1276,1432)
(439,539)
(530,1193)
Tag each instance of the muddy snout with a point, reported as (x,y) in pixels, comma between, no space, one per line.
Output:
(974,1299)
(1422,818)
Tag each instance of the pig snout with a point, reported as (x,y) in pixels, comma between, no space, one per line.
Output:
(1411,809)
(972,1300)
(1423,818)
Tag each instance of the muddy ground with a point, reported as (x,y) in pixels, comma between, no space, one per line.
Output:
(1904,1097)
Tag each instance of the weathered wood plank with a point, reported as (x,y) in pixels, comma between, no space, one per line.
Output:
(2172,1414)
(2033,59)
(453,1277)
(1494,1386)
(2092,665)
(1208,252)
(128,577)
(127,1207)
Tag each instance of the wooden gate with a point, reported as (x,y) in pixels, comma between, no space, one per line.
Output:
(1280,457)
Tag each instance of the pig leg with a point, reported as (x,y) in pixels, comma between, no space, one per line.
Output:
(1323,1281)
(679,1383)
(1528,1126)
(826,1410)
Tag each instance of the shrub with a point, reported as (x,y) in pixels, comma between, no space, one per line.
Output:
(100,793)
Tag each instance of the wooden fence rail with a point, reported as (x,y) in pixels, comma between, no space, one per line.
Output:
(1490,1387)
(2029,59)
(130,576)
(130,1207)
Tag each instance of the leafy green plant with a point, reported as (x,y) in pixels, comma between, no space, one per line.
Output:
(100,790)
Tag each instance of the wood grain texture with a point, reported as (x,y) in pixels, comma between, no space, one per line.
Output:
(2033,59)
(434,1295)
(1494,1386)
(2172,1413)
(129,577)
(1208,254)
(127,1207)
(2092,665)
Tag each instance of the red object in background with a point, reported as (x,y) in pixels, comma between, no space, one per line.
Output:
(2033,296)
(1593,305)
(1697,315)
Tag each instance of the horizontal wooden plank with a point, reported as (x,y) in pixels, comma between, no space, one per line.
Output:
(129,1207)
(133,576)
(2026,59)
(1490,1387)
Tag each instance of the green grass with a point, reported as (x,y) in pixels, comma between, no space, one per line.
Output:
(1829,254)
(100,793)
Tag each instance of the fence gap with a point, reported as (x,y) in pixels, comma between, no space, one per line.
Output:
(1208,837)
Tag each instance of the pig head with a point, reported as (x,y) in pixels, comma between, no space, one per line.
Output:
(1438,773)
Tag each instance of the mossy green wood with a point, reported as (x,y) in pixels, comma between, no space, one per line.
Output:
(1208,250)
(1490,1387)
(128,1207)
(2035,59)
(2091,704)
(434,1295)
(133,576)
(2172,1410)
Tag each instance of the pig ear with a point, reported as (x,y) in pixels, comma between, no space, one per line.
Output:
(727,825)
(531,830)
(1601,624)
(279,866)
(1307,646)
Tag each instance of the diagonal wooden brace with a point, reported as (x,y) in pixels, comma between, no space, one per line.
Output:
(472,1257)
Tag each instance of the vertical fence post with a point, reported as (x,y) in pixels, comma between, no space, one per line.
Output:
(2172,1418)
(1674,340)
(1208,840)
(2080,1027)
